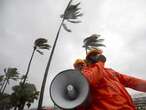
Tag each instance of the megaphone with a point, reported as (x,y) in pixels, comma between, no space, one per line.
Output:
(69,89)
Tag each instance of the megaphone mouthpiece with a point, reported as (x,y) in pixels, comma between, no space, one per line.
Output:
(71,92)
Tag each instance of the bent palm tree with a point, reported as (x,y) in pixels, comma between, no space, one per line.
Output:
(92,41)
(40,43)
(10,74)
(71,14)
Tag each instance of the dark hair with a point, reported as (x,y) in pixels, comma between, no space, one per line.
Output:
(96,58)
(102,58)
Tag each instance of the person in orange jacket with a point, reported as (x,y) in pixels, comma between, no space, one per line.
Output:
(107,86)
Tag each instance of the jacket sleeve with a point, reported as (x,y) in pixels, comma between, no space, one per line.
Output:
(93,74)
(132,82)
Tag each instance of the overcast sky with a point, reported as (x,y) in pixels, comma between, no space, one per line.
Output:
(122,23)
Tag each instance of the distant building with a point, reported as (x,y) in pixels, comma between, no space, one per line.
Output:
(140,101)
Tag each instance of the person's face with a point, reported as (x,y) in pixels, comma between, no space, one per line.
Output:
(80,66)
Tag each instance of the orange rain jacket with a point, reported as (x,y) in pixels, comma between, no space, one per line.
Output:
(107,88)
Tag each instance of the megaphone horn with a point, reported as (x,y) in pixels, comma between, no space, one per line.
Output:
(69,89)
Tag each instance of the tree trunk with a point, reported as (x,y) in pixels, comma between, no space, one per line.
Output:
(47,69)
(21,107)
(15,108)
(86,51)
(48,64)
(28,68)
(2,86)
(5,86)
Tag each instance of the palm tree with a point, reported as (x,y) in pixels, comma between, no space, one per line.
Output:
(10,74)
(39,44)
(1,82)
(71,14)
(23,96)
(92,41)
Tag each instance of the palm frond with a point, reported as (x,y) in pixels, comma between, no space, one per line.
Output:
(44,46)
(71,21)
(40,41)
(99,40)
(94,41)
(40,52)
(72,12)
(96,45)
(79,15)
(66,28)
(91,38)
(1,78)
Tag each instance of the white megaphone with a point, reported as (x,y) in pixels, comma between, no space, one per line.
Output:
(69,89)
